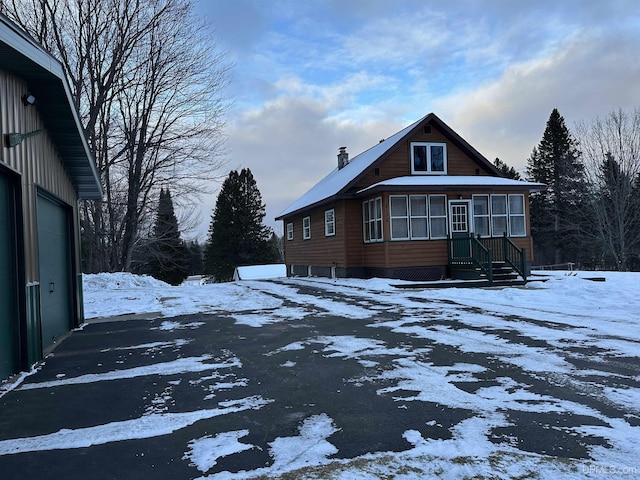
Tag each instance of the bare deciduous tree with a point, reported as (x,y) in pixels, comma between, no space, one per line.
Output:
(611,155)
(148,82)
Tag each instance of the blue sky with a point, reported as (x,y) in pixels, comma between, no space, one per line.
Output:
(312,76)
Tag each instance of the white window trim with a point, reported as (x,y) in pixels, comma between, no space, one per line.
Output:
(431,217)
(487,215)
(511,215)
(508,214)
(428,171)
(425,217)
(504,215)
(399,217)
(372,225)
(306,228)
(330,225)
(290,231)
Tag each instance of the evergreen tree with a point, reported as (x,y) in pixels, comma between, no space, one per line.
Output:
(556,212)
(506,170)
(168,255)
(196,258)
(236,235)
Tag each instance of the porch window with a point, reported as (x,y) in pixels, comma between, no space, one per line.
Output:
(516,216)
(399,217)
(498,215)
(372,220)
(306,228)
(329,223)
(438,216)
(418,217)
(289,231)
(481,215)
(428,158)
(495,215)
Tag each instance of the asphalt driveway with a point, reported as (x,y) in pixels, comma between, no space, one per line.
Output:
(310,393)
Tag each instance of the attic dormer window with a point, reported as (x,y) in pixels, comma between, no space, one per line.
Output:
(428,158)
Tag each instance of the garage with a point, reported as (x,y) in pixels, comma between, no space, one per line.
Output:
(55,267)
(9,326)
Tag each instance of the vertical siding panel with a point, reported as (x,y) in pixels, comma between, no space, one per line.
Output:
(38,162)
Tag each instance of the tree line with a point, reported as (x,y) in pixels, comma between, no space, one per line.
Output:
(589,214)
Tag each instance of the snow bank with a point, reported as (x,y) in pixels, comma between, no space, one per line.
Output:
(260,272)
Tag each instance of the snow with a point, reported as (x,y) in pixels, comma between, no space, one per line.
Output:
(567,311)
(454,181)
(260,272)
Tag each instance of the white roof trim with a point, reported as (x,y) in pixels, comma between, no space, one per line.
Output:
(455,181)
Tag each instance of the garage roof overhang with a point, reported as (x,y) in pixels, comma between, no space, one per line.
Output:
(24,57)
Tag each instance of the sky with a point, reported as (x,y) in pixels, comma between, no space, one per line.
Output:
(312,76)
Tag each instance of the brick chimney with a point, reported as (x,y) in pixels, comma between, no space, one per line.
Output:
(343,158)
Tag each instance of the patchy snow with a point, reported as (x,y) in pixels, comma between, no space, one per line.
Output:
(204,452)
(147,426)
(544,331)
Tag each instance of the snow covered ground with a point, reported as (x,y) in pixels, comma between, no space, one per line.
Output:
(566,334)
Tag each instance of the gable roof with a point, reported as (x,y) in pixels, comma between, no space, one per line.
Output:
(22,56)
(338,182)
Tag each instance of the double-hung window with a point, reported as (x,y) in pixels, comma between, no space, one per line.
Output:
(372,220)
(481,217)
(516,216)
(428,158)
(289,231)
(329,223)
(419,214)
(498,215)
(438,216)
(399,217)
(306,228)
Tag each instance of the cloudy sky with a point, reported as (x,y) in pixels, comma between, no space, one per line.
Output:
(311,76)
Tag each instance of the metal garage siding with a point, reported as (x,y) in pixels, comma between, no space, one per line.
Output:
(37,159)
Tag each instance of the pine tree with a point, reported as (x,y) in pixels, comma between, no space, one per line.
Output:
(196,258)
(168,255)
(236,235)
(506,170)
(555,213)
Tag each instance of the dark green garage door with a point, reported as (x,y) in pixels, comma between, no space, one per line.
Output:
(54,249)
(8,288)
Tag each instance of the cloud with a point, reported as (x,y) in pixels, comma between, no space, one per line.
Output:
(588,75)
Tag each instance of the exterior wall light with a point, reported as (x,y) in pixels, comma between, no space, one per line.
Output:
(28,100)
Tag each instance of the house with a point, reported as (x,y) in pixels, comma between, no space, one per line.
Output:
(421,205)
(45,168)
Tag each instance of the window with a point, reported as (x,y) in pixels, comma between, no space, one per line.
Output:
(498,215)
(418,212)
(428,158)
(399,217)
(372,220)
(516,216)
(306,228)
(438,216)
(495,215)
(481,215)
(329,223)
(289,231)
(418,217)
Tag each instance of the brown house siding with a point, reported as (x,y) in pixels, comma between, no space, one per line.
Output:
(398,163)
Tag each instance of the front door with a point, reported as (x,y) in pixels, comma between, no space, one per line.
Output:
(460,227)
